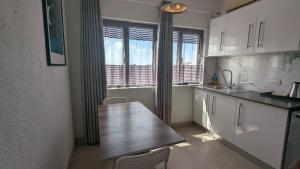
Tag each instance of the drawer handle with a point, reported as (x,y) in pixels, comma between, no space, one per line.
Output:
(214,106)
(249,33)
(239,116)
(260,41)
(297,115)
(222,41)
(207,103)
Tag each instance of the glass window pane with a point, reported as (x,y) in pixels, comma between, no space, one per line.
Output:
(189,68)
(140,56)
(114,47)
(113,51)
(189,49)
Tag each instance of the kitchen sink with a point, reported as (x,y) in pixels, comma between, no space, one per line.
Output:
(232,90)
(224,89)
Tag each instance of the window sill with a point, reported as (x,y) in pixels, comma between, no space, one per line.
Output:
(131,87)
(147,87)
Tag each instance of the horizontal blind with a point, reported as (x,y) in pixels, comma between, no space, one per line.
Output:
(192,38)
(141,33)
(113,31)
(175,58)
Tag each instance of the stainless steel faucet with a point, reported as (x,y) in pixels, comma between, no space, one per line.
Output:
(226,83)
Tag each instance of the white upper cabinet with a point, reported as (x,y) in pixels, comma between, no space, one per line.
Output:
(262,27)
(278,26)
(240,31)
(217,35)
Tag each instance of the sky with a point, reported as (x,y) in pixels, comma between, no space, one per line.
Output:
(141,52)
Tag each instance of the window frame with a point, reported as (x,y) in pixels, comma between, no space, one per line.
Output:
(125,25)
(179,61)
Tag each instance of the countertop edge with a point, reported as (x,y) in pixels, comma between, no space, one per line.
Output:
(291,109)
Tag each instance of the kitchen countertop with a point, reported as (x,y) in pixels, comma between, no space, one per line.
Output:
(284,103)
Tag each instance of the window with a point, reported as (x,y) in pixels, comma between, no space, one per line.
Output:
(114,54)
(129,53)
(130,50)
(141,54)
(187,66)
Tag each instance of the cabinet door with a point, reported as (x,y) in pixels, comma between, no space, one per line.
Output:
(223,116)
(199,95)
(206,110)
(240,30)
(278,26)
(216,37)
(260,131)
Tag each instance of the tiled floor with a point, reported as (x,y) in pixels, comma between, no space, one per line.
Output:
(201,151)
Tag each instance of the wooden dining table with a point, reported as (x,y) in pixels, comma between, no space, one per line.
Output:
(130,128)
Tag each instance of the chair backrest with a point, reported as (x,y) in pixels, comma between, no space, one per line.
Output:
(114,100)
(144,161)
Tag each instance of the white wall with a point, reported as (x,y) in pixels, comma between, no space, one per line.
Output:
(182,104)
(198,16)
(72,21)
(36,129)
(182,98)
(261,73)
(231,4)
(144,94)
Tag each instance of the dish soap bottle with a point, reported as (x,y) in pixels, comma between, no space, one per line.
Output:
(215,79)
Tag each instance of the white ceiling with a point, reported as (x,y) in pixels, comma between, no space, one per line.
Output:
(197,5)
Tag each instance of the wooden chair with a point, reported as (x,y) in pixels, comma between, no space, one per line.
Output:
(145,161)
(114,100)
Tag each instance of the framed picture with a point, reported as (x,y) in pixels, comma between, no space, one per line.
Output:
(54,32)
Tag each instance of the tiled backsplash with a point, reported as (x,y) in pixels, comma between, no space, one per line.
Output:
(258,72)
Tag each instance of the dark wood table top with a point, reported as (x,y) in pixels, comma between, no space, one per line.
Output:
(130,128)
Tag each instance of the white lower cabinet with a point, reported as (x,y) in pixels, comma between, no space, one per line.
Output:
(215,112)
(260,131)
(223,116)
(202,107)
(256,128)
(198,101)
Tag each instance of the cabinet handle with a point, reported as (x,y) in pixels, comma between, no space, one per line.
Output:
(260,41)
(249,36)
(207,103)
(239,116)
(222,39)
(299,45)
(212,105)
(297,115)
(213,111)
